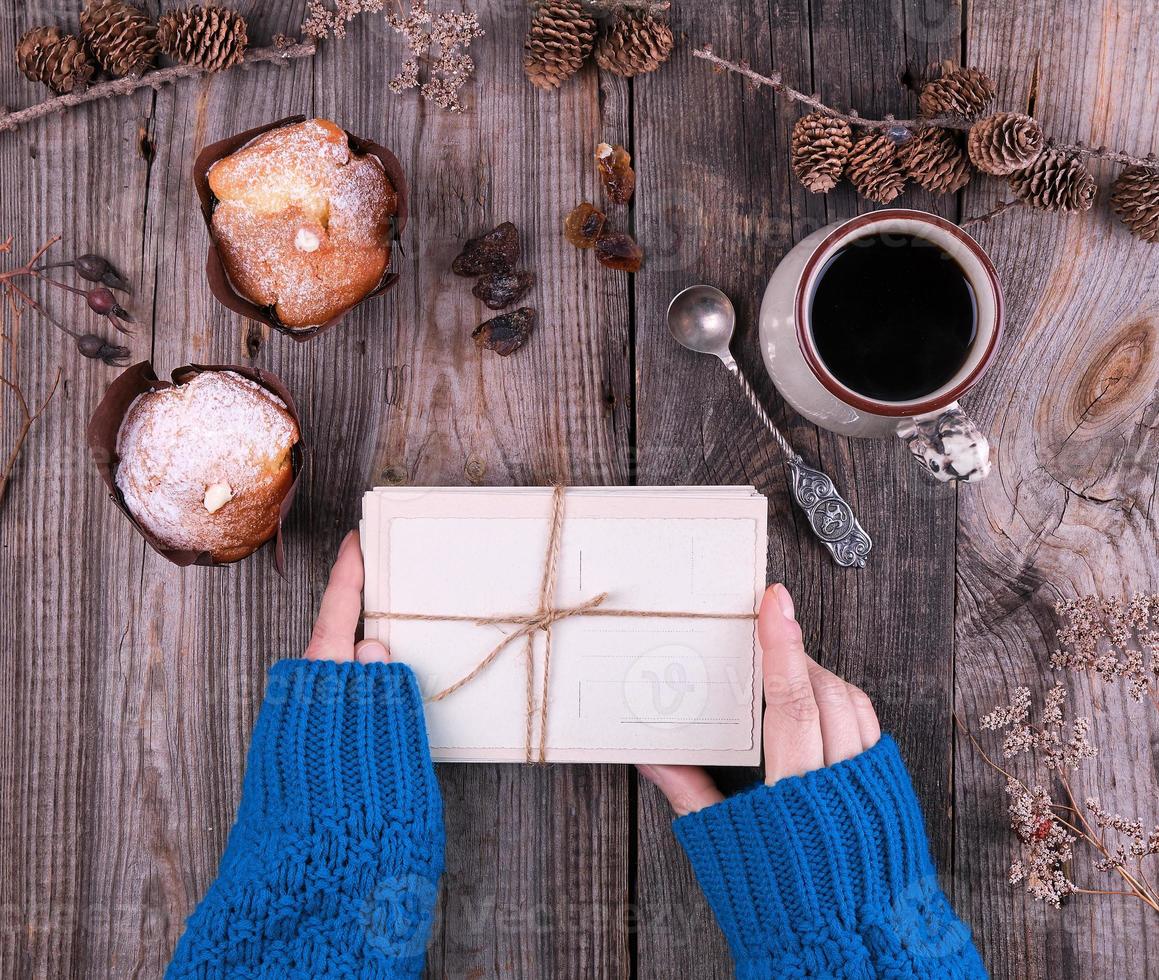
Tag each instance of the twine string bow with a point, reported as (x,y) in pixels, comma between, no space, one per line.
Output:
(546,615)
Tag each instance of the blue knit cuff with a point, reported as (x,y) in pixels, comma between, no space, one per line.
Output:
(332,868)
(341,741)
(828,874)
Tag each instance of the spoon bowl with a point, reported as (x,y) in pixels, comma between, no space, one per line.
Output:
(702,319)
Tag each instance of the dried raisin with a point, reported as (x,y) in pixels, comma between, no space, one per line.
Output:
(497,251)
(500,289)
(506,333)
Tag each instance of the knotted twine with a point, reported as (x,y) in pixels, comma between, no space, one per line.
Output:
(544,618)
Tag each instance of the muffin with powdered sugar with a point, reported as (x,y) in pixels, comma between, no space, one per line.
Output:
(303,222)
(204,466)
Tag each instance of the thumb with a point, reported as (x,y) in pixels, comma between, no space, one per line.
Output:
(371,652)
(688,788)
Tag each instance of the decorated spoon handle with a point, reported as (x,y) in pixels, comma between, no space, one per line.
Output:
(830,517)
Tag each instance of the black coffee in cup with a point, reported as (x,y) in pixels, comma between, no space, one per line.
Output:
(893,316)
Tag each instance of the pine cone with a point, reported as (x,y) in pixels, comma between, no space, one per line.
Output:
(59,60)
(1005,142)
(818,151)
(210,37)
(559,39)
(960,92)
(874,168)
(121,38)
(933,158)
(636,42)
(1056,181)
(1135,199)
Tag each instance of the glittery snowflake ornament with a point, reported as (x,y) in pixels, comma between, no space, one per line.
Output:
(438,43)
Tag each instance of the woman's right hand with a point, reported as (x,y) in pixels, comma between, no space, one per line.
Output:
(813,718)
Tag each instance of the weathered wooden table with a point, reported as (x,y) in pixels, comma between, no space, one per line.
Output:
(128,687)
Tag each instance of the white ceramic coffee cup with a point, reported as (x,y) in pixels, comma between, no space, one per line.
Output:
(935,428)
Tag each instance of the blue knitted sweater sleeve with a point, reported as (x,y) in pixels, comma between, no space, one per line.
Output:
(332,868)
(829,875)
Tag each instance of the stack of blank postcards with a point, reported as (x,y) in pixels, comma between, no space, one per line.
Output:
(640,688)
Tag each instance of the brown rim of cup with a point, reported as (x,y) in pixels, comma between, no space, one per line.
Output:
(219,283)
(105,424)
(872,405)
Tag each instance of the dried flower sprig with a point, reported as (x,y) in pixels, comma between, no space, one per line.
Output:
(1112,638)
(1048,829)
(441,41)
(322,21)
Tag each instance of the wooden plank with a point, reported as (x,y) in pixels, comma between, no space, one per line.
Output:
(1070,509)
(722,194)
(136,722)
(537,858)
(68,577)
(198,649)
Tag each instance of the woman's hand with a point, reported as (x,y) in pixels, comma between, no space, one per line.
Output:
(341,610)
(812,717)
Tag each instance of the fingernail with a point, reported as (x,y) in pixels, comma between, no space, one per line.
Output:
(785,601)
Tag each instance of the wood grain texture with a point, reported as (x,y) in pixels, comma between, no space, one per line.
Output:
(128,688)
(725,195)
(537,858)
(1070,510)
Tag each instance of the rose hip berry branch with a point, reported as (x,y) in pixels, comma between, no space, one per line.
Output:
(99,298)
(28,417)
(153,79)
(776,82)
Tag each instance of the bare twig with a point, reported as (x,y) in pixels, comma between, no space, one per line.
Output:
(153,79)
(615,6)
(777,83)
(28,420)
(854,118)
(988,216)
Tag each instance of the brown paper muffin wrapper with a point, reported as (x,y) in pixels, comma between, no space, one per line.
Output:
(106,423)
(219,283)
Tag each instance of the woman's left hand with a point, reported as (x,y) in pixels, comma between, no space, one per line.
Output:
(341,611)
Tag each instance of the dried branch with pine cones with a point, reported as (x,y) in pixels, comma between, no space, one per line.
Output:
(1042,173)
(276,55)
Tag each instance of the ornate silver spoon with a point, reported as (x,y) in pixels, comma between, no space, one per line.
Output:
(702,319)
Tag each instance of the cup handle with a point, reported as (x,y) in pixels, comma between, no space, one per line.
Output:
(948,444)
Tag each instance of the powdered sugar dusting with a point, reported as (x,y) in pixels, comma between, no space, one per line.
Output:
(218,428)
(300,184)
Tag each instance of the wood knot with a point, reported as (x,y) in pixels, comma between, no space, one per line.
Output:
(1119,380)
(255,334)
(1091,412)
(394,476)
(475,470)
